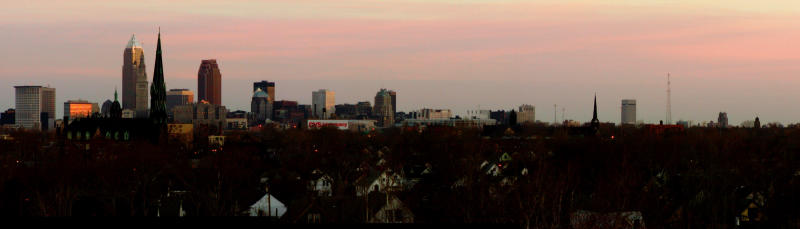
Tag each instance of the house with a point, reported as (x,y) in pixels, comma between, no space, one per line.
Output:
(268,206)
(750,209)
(387,208)
(388,180)
(320,183)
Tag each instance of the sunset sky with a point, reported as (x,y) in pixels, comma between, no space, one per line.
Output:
(736,56)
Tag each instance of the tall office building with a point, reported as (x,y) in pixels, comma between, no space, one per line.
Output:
(628,111)
(158,90)
(134,78)
(260,106)
(722,120)
(383,108)
(35,107)
(323,103)
(526,114)
(393,94)
(209,82)
(177,97)
(266,86)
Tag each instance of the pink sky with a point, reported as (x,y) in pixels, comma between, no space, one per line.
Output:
(734,56)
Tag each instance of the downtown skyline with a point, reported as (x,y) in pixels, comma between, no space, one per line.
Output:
(722,59)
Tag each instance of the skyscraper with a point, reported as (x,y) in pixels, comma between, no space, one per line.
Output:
(158,90)
(209,82)
(266,86)
(628,111)
(134,78)
(393,94)
(35,107)
(323,103)
(383,108)
(722,120)
(260,106)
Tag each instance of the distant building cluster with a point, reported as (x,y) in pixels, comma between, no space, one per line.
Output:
(142,99)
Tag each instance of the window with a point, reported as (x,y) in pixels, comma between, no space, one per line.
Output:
(314,218)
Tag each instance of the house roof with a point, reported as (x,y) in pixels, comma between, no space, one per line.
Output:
(268,201)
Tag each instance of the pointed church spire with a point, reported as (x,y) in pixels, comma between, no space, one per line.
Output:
(158,91)
(594,115)
(115,93)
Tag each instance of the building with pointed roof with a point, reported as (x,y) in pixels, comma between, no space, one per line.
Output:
(134,78)
(595,123)
(158,90)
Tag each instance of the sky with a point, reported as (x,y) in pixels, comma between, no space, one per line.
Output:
(736,56)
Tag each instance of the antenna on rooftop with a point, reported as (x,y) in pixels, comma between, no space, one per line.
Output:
(669,102)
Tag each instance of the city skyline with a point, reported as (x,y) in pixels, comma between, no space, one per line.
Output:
(502,62)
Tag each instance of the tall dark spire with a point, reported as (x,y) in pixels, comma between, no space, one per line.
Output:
(595,123)
(158,90)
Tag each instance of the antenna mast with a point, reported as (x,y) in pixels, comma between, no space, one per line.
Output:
(669,102)
(555,113)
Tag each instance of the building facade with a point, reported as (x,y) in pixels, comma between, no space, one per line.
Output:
(35,107)
(177,97)
(7,117)
(393,94)
(426,113)
(722,120)
(526,114)
(261,107)
(134,78)
(266,86)
(383,108)
(202,113)
(628,112)
(209,82)
(74,109)
(323,102)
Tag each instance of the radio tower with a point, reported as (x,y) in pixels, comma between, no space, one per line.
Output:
(669,103)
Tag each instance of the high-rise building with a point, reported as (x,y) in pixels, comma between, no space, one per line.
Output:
(158,90)
(261,107)
(383,108)
(177,97)
(393,94)
(48,116)
(134,78)
(266,86)
(74,109)
(628,111)
(323,103)
(722,120)
(526,114)
(209,82)
(35,107)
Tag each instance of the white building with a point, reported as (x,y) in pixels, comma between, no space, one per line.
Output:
(35,104)
(526,114)
(427,113)
(628,111)
(323,103)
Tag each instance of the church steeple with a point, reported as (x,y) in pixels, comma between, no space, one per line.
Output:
(158,90)
(595,122)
